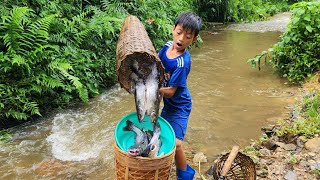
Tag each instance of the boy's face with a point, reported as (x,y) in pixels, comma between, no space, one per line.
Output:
(182,38)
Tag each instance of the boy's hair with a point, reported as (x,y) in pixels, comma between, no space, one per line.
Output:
(189,20)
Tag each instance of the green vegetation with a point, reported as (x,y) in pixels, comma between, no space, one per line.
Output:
(296,56)
(5,137)
(309,123)
(55,53)
(292,159)
(240,10)
(317,173)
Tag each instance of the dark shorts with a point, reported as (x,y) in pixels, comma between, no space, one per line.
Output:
(178,123)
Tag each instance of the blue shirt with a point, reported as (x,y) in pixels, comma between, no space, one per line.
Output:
(177,69)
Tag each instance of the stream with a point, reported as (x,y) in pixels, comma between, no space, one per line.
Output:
(231,102)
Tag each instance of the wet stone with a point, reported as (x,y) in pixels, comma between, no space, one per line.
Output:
(262,173)
(280,144)
(313,145)
(314,165)
(303,163)
(311,154)
(303,138)
(290,147)
(265,152)
(291,175)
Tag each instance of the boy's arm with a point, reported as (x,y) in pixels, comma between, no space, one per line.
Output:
(168,92)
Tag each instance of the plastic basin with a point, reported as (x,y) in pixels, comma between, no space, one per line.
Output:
(125,139)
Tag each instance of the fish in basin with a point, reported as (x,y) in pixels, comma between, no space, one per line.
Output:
(140,141)
(155,142)
(146,143)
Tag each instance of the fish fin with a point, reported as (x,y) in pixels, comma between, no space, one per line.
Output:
(128,127)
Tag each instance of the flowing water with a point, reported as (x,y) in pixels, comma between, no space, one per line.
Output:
(231,102)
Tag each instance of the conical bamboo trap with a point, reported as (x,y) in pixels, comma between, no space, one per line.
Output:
(135,44)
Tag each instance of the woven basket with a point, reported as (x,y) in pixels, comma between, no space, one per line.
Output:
(142,168)
(242,168)
(135,44)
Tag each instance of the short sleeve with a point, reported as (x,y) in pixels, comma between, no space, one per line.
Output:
(179,77)
(160,53)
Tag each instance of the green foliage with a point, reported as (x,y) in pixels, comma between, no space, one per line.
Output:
(292,159)
(296,56)
(239,10)
(317,172)
(310,124)
(5,137)
(50,61)
(54,53)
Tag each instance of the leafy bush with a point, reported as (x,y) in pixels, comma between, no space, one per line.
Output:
(296,56)
(54,53)
(237,11)
(50,61)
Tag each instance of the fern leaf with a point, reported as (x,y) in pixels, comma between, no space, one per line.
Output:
(53,83)
(36,88)
(13,27)
(60,65)
(83,94)
(31,107)
(17,115)
(18,60)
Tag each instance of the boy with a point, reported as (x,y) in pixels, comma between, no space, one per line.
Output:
(176,97)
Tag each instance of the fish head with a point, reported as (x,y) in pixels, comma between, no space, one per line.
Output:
(141,113)
(140,145)
(138,149)
(154,116)
(134,151)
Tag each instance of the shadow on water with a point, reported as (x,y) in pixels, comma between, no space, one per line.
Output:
(231,102)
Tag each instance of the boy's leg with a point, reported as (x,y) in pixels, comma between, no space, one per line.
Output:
(183,170)
(180,157)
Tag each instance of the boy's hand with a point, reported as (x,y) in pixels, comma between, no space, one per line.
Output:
(160,96)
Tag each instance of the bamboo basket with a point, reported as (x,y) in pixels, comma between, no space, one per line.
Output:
(242,167)
(142,168)
(135,44)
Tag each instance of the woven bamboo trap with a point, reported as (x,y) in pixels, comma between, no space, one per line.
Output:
(142,168)
(234,165)
(135,44)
